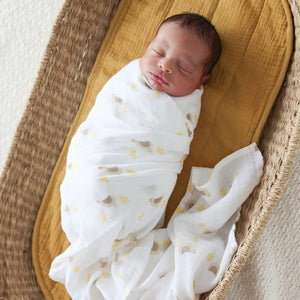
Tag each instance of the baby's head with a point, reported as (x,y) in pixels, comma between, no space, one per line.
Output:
(182,54)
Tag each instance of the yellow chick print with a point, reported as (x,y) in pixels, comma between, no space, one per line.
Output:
(124,199)
(164,203)
(117,243)
(104,217)
(74,144)
(105,274)
(124,110)
(179,210)
(160,150)
(76,269)
(166,243)
(132,154)
(157,94)
(201,207)
(190,189)
(143,144)
(141,216)
(209,257)
(223,192)
(103,178)
(88,278)
(129,171)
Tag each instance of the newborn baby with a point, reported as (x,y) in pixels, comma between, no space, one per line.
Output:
(122,166)
(181,56)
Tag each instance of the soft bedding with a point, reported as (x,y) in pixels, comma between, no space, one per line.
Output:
(122,166)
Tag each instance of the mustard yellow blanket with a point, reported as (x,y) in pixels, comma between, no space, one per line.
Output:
(257,43)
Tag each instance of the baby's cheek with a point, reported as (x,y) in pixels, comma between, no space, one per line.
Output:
(184,86)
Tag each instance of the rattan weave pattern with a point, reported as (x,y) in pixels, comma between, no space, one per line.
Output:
(54,101)
(76,39)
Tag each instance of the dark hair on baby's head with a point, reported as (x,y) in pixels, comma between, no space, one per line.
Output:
(204,30)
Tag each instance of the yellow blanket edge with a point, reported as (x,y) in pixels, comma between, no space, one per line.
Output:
(282,74)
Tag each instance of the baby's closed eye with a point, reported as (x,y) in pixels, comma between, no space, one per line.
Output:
(158,52)
(184,69)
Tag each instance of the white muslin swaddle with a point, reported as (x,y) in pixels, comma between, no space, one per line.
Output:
(122,166)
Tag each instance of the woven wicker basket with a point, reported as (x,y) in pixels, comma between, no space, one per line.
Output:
(52,107)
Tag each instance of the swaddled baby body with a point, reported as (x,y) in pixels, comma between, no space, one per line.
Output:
(122,166)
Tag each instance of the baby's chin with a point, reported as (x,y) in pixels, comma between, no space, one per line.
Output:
(168,90)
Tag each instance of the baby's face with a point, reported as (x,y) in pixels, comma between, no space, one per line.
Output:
(173,62)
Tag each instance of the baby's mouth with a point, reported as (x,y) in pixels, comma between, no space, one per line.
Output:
(158,78)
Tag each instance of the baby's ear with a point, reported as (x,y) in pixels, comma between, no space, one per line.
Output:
(204,79)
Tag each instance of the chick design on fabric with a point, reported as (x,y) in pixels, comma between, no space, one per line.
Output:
(122,166)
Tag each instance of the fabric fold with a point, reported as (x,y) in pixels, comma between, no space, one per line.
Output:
(122,167)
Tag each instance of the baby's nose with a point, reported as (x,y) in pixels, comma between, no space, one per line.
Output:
(166,65)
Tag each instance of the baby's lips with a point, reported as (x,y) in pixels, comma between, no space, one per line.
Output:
(160,79)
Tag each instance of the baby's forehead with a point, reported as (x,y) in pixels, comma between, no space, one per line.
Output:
(161,40)
(162,36)
(176,26)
